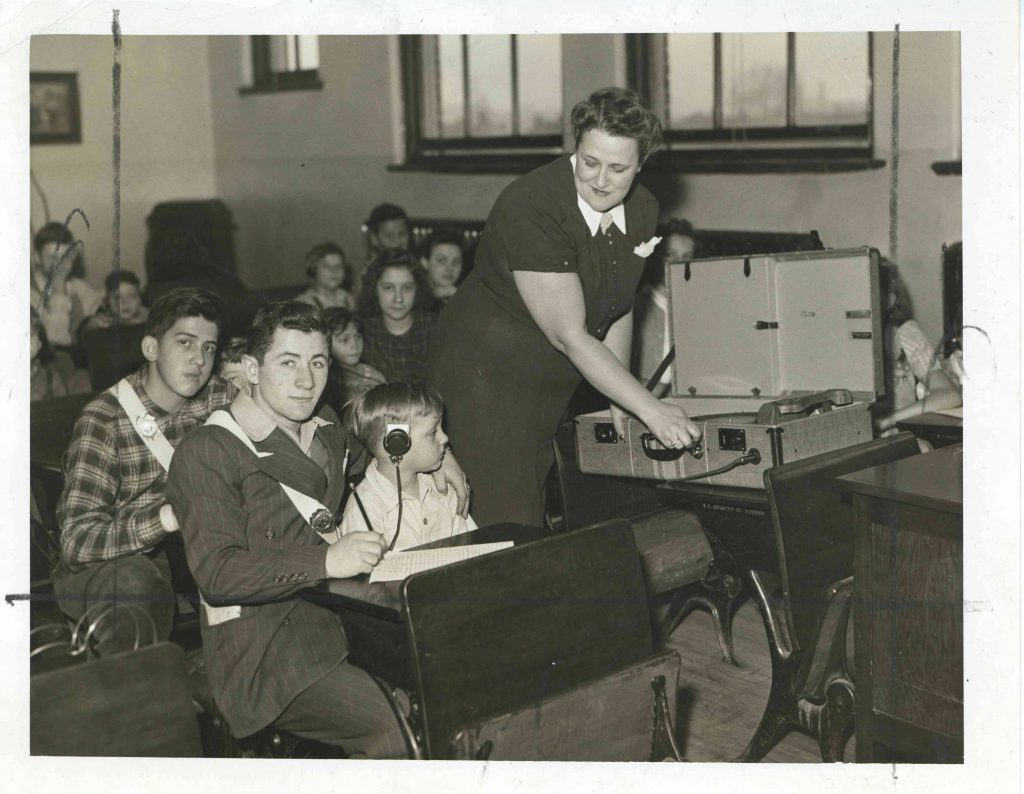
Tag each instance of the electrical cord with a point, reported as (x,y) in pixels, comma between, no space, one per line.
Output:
(398,527)
(752,457)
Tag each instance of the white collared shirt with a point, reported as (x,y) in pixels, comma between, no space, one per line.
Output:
(426,518)
(593,217)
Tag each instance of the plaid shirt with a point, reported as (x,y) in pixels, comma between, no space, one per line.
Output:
(399,358)
(114,486)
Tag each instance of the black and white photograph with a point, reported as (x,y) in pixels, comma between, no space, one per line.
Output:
(435,383)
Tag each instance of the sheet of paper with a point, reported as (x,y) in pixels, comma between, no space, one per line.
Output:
(398,565)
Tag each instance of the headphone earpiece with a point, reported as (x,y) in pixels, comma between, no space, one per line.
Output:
(397,441)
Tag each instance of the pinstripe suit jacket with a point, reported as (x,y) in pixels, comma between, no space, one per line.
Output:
(247,544)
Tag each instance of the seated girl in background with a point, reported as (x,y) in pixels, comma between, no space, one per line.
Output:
(123,302)
(916,381)
(442,259)
(422,513)
(398,326)
(652,337)
(348,377)
(328,269)
(59,292)
(47,380)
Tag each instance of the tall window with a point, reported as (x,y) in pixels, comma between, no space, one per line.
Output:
(282,63)
(482,101)
(755,101)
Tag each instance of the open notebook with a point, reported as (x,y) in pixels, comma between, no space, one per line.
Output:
(398,565)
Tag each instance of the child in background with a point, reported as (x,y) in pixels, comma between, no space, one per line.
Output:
(388,228)
(915,379)
(328,269)
(48,377)
(398,325)
(652,337)
(442,259)
(421,513)
(348,376)
(122,304)
(59,292)
(229,363)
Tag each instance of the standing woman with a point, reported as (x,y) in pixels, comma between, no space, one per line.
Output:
(550,300)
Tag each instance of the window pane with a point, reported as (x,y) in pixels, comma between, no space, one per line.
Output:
(754,79)
(449,54)
(831,78)
(691,80)
(490,85)
(539,62)
(309,52)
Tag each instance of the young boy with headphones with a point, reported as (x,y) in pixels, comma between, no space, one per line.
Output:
(400,425)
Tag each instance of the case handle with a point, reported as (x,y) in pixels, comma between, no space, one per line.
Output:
(772,413)
(665,454)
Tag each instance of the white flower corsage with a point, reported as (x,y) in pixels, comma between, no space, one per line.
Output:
(147,426)
(644,250)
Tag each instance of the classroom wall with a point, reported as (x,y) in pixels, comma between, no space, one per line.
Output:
(304,166)
(166,139)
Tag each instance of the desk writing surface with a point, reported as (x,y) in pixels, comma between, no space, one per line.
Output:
(384,599)
(50,426)
(934,480)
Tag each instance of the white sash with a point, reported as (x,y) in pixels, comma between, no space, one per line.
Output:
(307,506)
(153,437)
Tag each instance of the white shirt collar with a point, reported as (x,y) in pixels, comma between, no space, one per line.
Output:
(593,217)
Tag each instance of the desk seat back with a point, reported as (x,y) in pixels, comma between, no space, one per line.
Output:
(493,634)
(135,703)
(813,525)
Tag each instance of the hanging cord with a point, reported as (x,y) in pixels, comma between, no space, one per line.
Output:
(664,365)
(398,526)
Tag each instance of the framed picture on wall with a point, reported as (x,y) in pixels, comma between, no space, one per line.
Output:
(53,102)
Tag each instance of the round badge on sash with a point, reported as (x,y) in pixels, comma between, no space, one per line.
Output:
(321,520)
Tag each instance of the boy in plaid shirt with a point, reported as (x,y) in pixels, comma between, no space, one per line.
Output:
(113,515)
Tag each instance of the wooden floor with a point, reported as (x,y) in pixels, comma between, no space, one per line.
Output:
(719,704)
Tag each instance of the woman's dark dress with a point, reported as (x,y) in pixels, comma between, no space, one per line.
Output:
(505,387)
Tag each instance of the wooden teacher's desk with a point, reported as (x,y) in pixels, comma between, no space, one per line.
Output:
(908,608)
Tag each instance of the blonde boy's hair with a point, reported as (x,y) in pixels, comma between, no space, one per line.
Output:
(395,403)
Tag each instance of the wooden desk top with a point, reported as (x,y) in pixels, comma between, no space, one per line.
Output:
(384,599)
(934,480)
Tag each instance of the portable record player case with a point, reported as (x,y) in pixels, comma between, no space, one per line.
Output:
(778,357)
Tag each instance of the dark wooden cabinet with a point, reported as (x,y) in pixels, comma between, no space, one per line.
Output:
(908,608)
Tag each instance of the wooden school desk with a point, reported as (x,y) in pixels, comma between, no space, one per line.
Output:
(908,608)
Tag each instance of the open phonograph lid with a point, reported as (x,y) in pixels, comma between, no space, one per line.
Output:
(770,325)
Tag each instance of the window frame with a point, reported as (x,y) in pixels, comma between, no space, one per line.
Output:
(500,154)
(829,148)
(267,81)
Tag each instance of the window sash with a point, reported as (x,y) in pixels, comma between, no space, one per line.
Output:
(647,56)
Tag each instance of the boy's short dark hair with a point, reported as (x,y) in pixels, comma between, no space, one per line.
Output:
(318,252)
(292,315)
(54,232)
(368,305)
(339,318)
(184,302)
(370,412)
(231,352)
(896,306)
(116,278)
(442,237)
(383,213)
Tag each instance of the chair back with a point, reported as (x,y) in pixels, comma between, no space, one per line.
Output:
(46,484)
(135,703)
(113,353)
(499,632)
(813,524)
